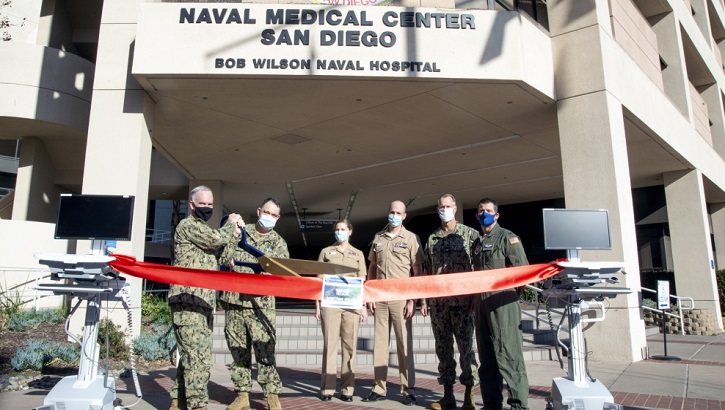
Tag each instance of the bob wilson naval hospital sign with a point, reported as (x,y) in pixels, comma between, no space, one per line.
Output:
(266,39)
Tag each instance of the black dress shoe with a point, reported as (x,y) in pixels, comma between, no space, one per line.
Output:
(325,397)
(345,398)
(373,397)
(409,400)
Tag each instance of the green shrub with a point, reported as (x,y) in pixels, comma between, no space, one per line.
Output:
(116,340)
(10,305)
(30,319)
(649,303)
(38,353)
(155,308)
(157,344)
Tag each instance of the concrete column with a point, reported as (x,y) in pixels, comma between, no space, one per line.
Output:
(674,77)
(717,219)
(118,151)
(702,19)
(36,195)
(217,188)
(691,246)
(715,107)
(596,175)
(595,163)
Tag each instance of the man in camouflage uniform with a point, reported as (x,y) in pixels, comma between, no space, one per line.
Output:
(448,250)
(250,320)
(196,245)
(498,316)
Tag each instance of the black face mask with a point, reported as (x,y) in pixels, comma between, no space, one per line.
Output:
(203,212)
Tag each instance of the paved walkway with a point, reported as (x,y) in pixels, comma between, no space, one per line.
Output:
(697,382)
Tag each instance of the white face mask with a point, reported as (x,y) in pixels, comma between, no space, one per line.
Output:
(446,214)
(267,222)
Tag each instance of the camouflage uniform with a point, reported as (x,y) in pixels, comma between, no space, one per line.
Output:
(250,320)
(451,316)
(498,319)
(196,245)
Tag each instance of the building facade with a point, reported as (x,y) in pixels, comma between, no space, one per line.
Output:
(337,108)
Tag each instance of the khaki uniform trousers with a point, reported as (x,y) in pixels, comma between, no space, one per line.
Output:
(339,325)
(387,315)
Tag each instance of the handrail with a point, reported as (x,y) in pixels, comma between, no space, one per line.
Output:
(679,304)
(40,273)
(537,304)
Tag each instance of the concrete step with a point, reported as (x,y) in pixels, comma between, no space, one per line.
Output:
(299,340)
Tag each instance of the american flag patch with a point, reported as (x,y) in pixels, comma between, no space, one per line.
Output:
(514,240)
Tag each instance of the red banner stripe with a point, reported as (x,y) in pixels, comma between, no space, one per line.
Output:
(310,288)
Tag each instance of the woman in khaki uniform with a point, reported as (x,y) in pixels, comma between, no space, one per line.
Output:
(340,324)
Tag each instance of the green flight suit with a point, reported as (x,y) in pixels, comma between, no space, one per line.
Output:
(196,245)
(498,324)
(251,320)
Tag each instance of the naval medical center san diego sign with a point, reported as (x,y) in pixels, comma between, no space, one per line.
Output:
(309,39)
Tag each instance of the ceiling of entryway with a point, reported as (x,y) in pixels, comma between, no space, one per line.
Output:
(331,143)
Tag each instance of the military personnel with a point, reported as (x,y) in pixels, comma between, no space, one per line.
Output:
(498,316)
(448,250)
(340,325)
(196,245)
(250,320)
(395,253)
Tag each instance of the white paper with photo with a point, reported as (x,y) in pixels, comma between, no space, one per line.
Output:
(345,292)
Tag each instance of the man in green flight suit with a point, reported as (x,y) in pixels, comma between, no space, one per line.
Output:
(448,250)
(196,245)
(498,316)
(250,320)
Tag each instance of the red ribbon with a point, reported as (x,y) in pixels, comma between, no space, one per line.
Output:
(310,288)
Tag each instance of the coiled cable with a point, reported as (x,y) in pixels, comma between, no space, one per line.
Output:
(126,300)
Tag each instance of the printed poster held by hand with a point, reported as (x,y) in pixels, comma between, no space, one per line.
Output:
(344,292)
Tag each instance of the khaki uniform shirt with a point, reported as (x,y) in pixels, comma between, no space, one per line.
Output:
(395,256)
(351,257)
(271,245)
(450,253)
(196,245)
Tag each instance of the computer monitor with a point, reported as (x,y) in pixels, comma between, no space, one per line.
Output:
(98,217)
(576,229)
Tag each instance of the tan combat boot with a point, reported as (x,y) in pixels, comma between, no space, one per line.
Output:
(273,402)
(447,402)
(241,402)
(469,402)
(178,404)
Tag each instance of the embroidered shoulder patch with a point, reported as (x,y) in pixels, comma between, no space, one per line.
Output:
(514,240)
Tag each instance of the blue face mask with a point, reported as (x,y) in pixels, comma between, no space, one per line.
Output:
(395,220)
(341,236)
(486,219)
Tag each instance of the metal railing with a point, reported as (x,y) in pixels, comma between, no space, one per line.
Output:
(24,291)
(678,300)
(158,236)
(537,309)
